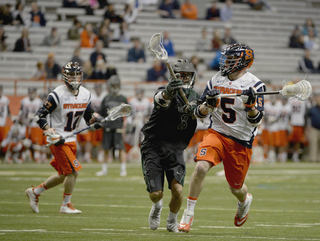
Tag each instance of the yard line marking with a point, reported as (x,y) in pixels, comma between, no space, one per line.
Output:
(225,227)
(101,229)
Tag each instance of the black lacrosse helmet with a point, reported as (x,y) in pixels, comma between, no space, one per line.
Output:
(187,72)
(114,84)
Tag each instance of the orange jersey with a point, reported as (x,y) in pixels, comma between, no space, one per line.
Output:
(236,158)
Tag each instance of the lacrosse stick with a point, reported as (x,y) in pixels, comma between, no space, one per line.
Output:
(157,49)
(116,112)
(301,91)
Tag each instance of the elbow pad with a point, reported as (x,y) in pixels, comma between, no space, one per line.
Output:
(256,120)
(160,100)
(40,117)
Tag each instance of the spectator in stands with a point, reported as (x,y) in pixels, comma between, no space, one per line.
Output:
(226,11)
(87,69)
(310,41)
(203,43)
(88,37)
(228,38)
(20,16)
(259,4)
(103,71)
(88,5)
(215,62)
(3,45)
(196,64)
(76,56)
(309,25)
(213,13)
(105,36)
(189,10)
(74,31)
(52,68)
(306,63)
(53,39)
(168,44)
(122,33)
(6,17)
(169,9)
(296,38)
(23,43)
(136,53)
(37,17)
(216,41)
(39,73)
(157,72)
(111,14)
(130,14)
(97,54)
(70,4)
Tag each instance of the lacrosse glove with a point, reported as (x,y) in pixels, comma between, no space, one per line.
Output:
(211,98)
(189,109)
(96,121)
(172,87)
(55,138)
(248,97)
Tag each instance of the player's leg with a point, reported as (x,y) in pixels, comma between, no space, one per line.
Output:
(174,206)
(154,178)
(107,142)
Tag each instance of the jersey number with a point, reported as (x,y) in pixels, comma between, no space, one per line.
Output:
(230,115)
(73,120)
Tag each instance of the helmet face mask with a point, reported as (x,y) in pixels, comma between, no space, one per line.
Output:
(72,75)
(234,58)
(187,72)
(114,85)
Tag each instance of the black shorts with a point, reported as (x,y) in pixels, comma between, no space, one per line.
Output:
(158,160)
(113,140)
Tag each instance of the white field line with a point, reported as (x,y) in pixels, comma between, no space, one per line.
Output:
(155,234)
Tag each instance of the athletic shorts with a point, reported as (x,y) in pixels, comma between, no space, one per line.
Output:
(3,132)
(216,148)
(297,134)
(84,137)
(35,134)
(113,140)
(65,161)
(96,137)
(158,160)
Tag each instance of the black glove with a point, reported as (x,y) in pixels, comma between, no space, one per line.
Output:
(172,87)
(189,109)
(60,142)
(248,97)
(96,120)
(211,98)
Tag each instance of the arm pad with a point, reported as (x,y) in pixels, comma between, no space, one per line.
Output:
(40,117)
(256,120)
(160,100)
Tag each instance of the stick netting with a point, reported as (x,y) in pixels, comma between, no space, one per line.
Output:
(301,90)
(156,47)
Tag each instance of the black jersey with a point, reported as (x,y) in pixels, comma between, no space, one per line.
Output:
(108,102)
(171,126)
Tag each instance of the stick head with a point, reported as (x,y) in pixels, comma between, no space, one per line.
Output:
(301,90)
(156,47)
(119,111)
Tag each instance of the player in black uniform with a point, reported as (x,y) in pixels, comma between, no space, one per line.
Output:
(112,134)
(167,133)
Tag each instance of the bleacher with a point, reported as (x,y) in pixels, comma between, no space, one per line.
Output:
(266,32)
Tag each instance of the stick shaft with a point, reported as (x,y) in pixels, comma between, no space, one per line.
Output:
(258,93)
(182,94)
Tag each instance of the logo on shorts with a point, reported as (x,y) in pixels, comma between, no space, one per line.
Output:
(203,151)
(152,184)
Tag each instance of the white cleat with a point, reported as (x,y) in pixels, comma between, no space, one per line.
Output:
(34,198)
(123,173)
(172,226)
(155,216)
(243,211)
(101,173)
(186,221)
(69,209)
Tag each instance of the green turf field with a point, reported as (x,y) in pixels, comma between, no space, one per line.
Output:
(286,205)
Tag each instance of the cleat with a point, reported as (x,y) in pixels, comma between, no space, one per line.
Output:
(155,216)
(123,173)
(186,221)
(69,209)
(172,226)
(34,199)
(101,173)
(243,212)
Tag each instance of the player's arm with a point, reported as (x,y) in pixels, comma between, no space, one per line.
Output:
(92,117)
(165,94)
(254,105)
(208,102)
(41,115)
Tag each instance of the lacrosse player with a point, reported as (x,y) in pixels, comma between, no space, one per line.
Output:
(4,113)
(232,129)
(167,134)
(113,130)
(66,104)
